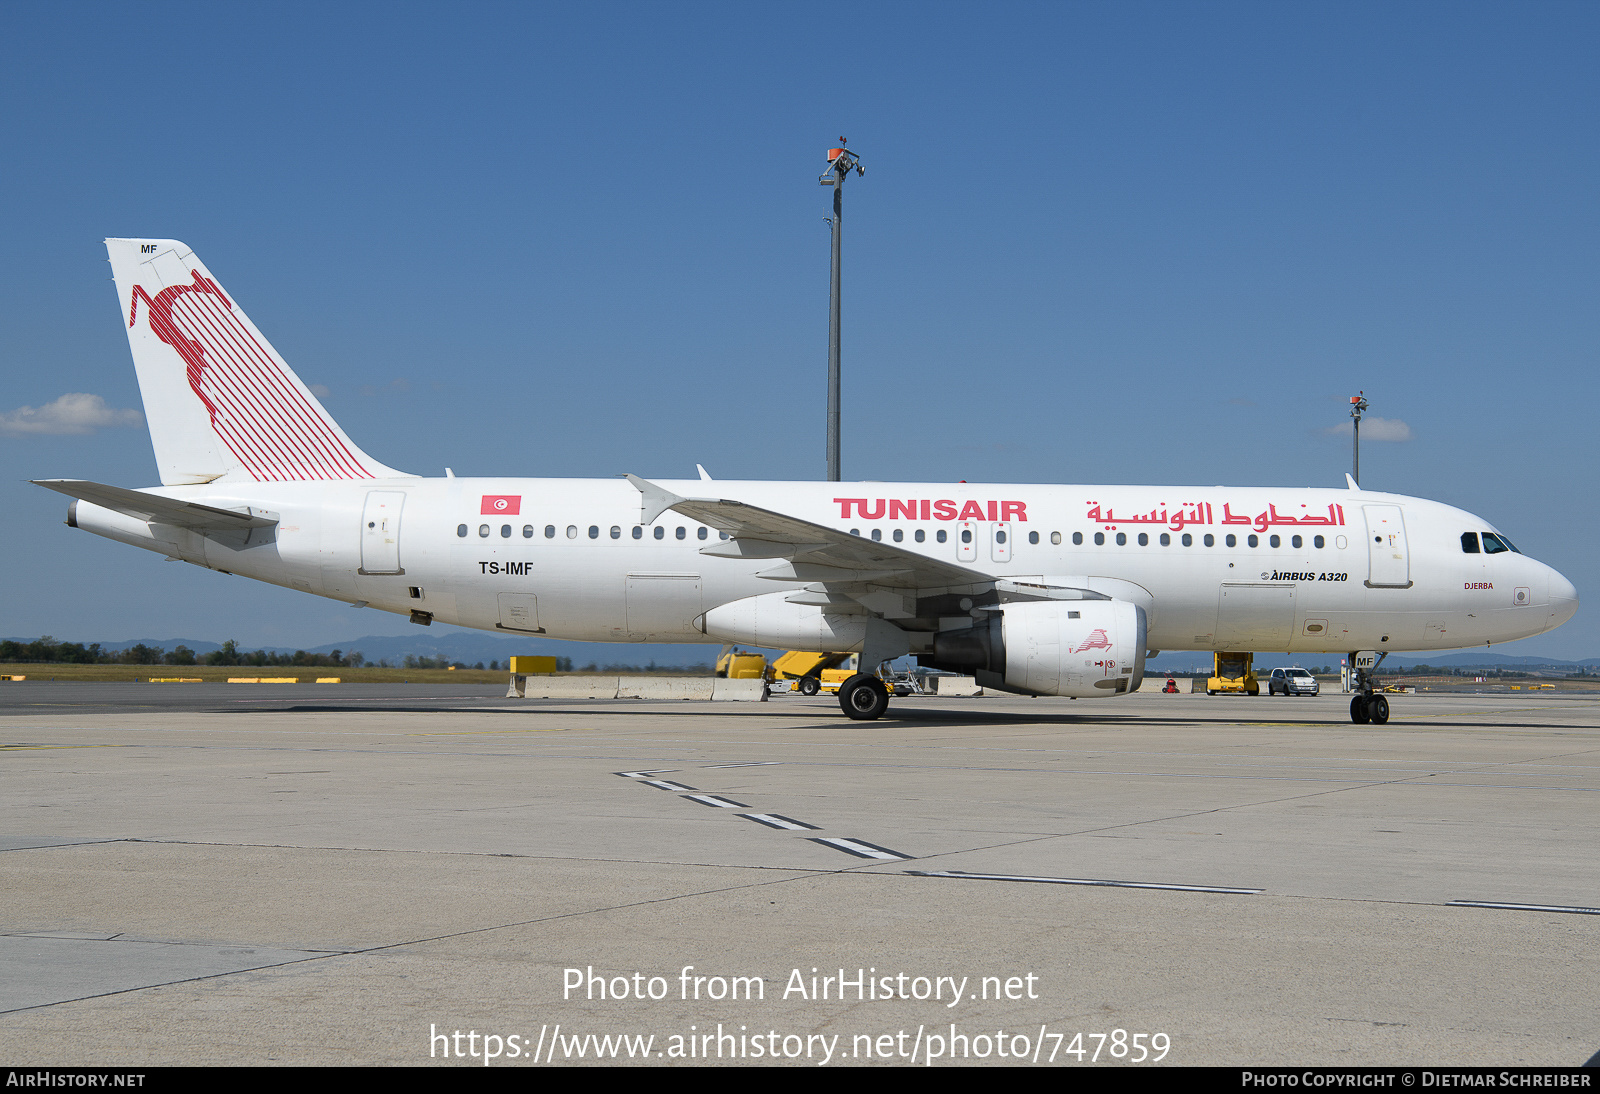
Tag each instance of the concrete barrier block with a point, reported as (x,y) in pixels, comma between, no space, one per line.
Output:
(664,687)
(569,687)
(738,691)
(955,685)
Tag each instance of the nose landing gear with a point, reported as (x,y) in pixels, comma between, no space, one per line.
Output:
(1367,706)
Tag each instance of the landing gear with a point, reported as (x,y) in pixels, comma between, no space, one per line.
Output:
(809,685)
(863,697)
(1366,705)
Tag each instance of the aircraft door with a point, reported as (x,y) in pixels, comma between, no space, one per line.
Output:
(380,532)
(1000,541)
(967,541)
(1389,559)
(519,612)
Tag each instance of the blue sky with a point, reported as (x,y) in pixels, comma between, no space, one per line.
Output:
(1095,243)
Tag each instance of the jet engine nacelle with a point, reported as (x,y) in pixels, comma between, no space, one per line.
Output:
(770,620)
(1083,648)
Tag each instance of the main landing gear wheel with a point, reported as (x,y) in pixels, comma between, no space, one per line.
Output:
(1359,714)
(810,685)
(863,697)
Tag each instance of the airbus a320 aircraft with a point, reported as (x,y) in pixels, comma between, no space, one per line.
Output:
(1039,590)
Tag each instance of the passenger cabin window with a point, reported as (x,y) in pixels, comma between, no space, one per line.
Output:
(1210,540)
(877,535)
(941,535)
(1469,543)
(483,531)
(1166,540)
(1099,539)
(638,532)
(920,535)
(1254,541)
(1144,539)
(1297,542)
(1033,537)
(1318,542)
(616,531)
(572,531)
(683,533)
(1231,540)
(594,531)
(1276,541)
(505,531)
(899,535)
(966,535)
(702,532)
(1122,539)
(549,531)
(660,532)
(461,530)
(527,531)
(1188,540)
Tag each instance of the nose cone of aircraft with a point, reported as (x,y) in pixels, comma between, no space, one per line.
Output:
(1563,600)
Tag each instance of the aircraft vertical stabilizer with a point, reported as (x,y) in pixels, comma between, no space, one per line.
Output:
(221,404)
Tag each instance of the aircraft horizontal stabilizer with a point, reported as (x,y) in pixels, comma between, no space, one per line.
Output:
(161,510)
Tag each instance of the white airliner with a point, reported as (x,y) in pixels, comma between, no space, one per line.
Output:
(1047,590)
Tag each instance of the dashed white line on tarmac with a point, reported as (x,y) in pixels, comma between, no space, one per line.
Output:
(861,848)
(642,774)
(1571,909)
(753,763)
(777,820)
(667,784)
(965,876)
(716,801)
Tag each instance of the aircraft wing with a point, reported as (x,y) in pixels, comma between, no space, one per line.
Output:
(161,510)
(803,551)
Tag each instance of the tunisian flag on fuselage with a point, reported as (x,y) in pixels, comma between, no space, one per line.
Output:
(501,505)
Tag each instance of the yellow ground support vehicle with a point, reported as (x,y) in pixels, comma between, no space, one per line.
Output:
(1232,673)
(734,665)
(808,670)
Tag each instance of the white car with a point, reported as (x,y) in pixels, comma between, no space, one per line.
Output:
(1295,681)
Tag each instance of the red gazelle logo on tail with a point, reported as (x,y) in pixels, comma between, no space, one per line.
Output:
(258,410)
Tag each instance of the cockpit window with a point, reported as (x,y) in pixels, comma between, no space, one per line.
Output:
(1469,543)
(1493,544)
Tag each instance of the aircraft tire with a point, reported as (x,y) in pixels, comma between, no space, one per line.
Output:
(1359,714)
(1378,710)
(810,685)
(863,697)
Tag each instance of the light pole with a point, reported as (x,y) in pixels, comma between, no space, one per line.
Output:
(840,163)
(1358,403)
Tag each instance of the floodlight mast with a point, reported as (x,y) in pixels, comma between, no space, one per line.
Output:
(1358,403)
(841,161)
